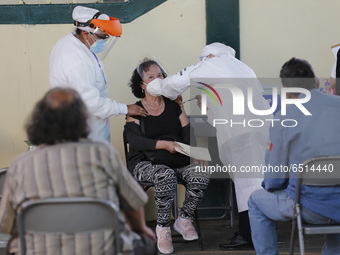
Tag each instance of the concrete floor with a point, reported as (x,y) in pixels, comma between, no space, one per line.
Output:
(215,232)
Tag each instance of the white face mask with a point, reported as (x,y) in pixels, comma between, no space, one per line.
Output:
(98,46)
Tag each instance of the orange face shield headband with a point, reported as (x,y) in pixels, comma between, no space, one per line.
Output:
(111,27)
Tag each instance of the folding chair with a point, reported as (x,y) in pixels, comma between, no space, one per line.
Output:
(68,215)
(202,129)
(147,185)
(321,171)
(3,237)
(3,172)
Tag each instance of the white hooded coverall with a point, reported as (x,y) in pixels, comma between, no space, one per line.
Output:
(238,146)
(73,65)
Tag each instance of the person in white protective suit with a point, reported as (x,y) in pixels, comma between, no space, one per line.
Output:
(76,62)
(239,145)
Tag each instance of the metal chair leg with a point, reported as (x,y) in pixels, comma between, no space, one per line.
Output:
(231,203)
(175,206)
(292,237)
(300,230)
(198,230)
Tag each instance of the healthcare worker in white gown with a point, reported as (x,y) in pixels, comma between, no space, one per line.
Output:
(239,145)
(76,62)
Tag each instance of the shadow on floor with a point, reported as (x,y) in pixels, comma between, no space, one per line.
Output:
(215,232)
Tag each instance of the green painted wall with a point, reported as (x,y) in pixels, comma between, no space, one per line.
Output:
(223,23)
(62,13)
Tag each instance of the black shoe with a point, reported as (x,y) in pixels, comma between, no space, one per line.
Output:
(237,243)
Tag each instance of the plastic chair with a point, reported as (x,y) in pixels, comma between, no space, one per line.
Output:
(319,171)
(147,185)
(68,215)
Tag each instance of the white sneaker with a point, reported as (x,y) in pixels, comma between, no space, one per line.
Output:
(185,228)
(164,241)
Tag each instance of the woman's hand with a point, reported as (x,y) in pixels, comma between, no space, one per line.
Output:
(199,101)
(170,146)
(166,145)
(134,109)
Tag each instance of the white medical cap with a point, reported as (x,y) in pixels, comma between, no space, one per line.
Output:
(217,49)
(83,14)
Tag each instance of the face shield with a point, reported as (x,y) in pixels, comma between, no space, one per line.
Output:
(109,43)
(108,30)
(147,59)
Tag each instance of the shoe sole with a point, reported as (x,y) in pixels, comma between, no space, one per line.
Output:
(179,231)
(169,252)
(165,252)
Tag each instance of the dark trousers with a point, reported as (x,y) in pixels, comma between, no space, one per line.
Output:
(146,246)
(244,226)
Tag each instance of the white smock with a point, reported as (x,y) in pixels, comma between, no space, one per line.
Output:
(239,146)
(73,65)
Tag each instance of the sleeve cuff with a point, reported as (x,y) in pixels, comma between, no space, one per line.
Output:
(333,72)
(122,109)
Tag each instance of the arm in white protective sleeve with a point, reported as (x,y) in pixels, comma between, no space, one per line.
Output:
(76,67)
(84,81)
(172,86)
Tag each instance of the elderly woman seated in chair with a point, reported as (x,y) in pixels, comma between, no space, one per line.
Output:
(150,135)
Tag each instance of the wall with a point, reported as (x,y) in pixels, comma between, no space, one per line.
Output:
(25,51)
(271,32)
(163,33)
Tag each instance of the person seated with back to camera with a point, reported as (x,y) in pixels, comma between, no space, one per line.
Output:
(65,163)
(167,118)
(291,146)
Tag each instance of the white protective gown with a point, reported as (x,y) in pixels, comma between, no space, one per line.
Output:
(73,65)
(238,146)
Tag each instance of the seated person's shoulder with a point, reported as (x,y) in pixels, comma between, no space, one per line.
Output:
(170,102)
(135,117)
(99,144)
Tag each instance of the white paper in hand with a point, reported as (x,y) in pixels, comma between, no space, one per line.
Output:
(335,49)
(198,153)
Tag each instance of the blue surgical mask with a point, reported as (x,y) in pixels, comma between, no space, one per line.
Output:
(98,46)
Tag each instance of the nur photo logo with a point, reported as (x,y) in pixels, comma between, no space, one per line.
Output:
(209,93)
(241,98)
(204,98)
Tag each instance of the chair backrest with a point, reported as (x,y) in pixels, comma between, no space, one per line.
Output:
(126,146)
(3,172)
(321,171)
(68,215)
(318,171)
